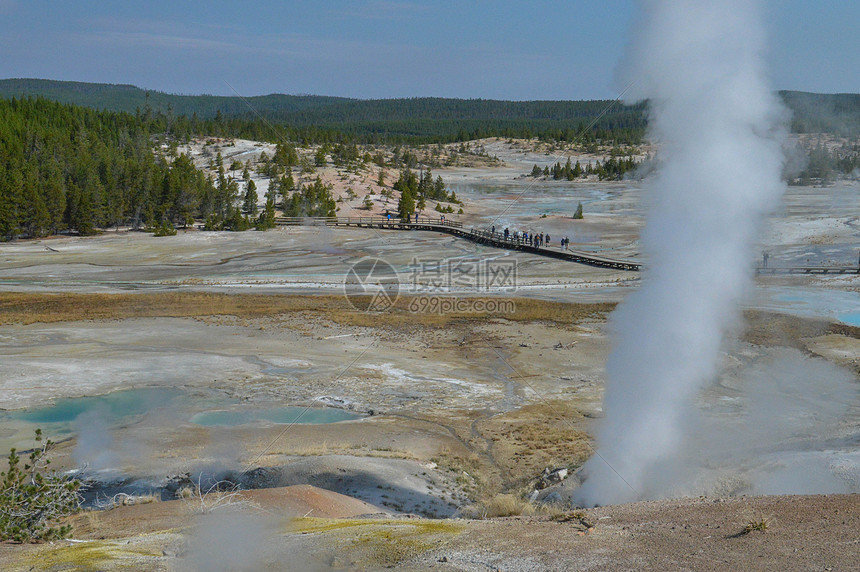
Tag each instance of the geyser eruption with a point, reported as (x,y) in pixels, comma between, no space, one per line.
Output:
(719,131)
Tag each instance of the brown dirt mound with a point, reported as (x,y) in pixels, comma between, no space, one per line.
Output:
(307,500)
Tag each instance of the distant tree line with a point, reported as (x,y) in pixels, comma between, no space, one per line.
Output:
(837,114)
(612,169)
(311,119)
(824,164)
(315,119)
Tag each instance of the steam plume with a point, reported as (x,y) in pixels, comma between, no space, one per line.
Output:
(719,130)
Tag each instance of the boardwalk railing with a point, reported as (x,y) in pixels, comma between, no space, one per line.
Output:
(497,239)
(808,270)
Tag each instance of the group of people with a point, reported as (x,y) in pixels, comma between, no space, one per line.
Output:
(530,238)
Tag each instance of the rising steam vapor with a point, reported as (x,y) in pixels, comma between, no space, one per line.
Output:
(719,130)
(233,540)
(95,441)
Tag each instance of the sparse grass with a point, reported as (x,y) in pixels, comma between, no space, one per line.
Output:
(770,329)
(387,541)
(501,505)
(390,547)
(29,308)
(469,473)
(758,524)
(86,556)
(515,504)
(536,436)
(325,448)
(24,308)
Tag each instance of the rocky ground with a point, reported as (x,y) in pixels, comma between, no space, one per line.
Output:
(303,528)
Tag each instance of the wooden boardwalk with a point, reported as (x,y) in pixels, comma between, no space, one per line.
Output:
(808,270)
(511,243)
(457,229)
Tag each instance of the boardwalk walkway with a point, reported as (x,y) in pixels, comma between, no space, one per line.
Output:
(808,270)
(456,229)
(511,243)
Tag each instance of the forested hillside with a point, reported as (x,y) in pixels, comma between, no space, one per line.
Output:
(317,119)
(320,119)
(67,167)
(128,98)
(838,114)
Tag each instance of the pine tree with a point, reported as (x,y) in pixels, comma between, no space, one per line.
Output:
(10,203)
(84,217)
(33,501)
(287,185)
(249,204)
(36,218)
(238,223)
(406,204)
(319,157)
(439,189)
(55,201)
(266,220)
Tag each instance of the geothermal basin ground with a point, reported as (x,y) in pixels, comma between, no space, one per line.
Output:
(429,439)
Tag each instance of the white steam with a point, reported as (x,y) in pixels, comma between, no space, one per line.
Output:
(782,424)
(94,448)
(719,129)
(233,540)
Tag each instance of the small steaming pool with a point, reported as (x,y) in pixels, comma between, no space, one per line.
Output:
(285,415)
(111,407)
(68,416)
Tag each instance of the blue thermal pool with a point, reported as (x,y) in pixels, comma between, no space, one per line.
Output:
(852,319)
(111,407)
(309,415)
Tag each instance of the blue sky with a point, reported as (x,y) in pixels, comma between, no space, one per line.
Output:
(385,48)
